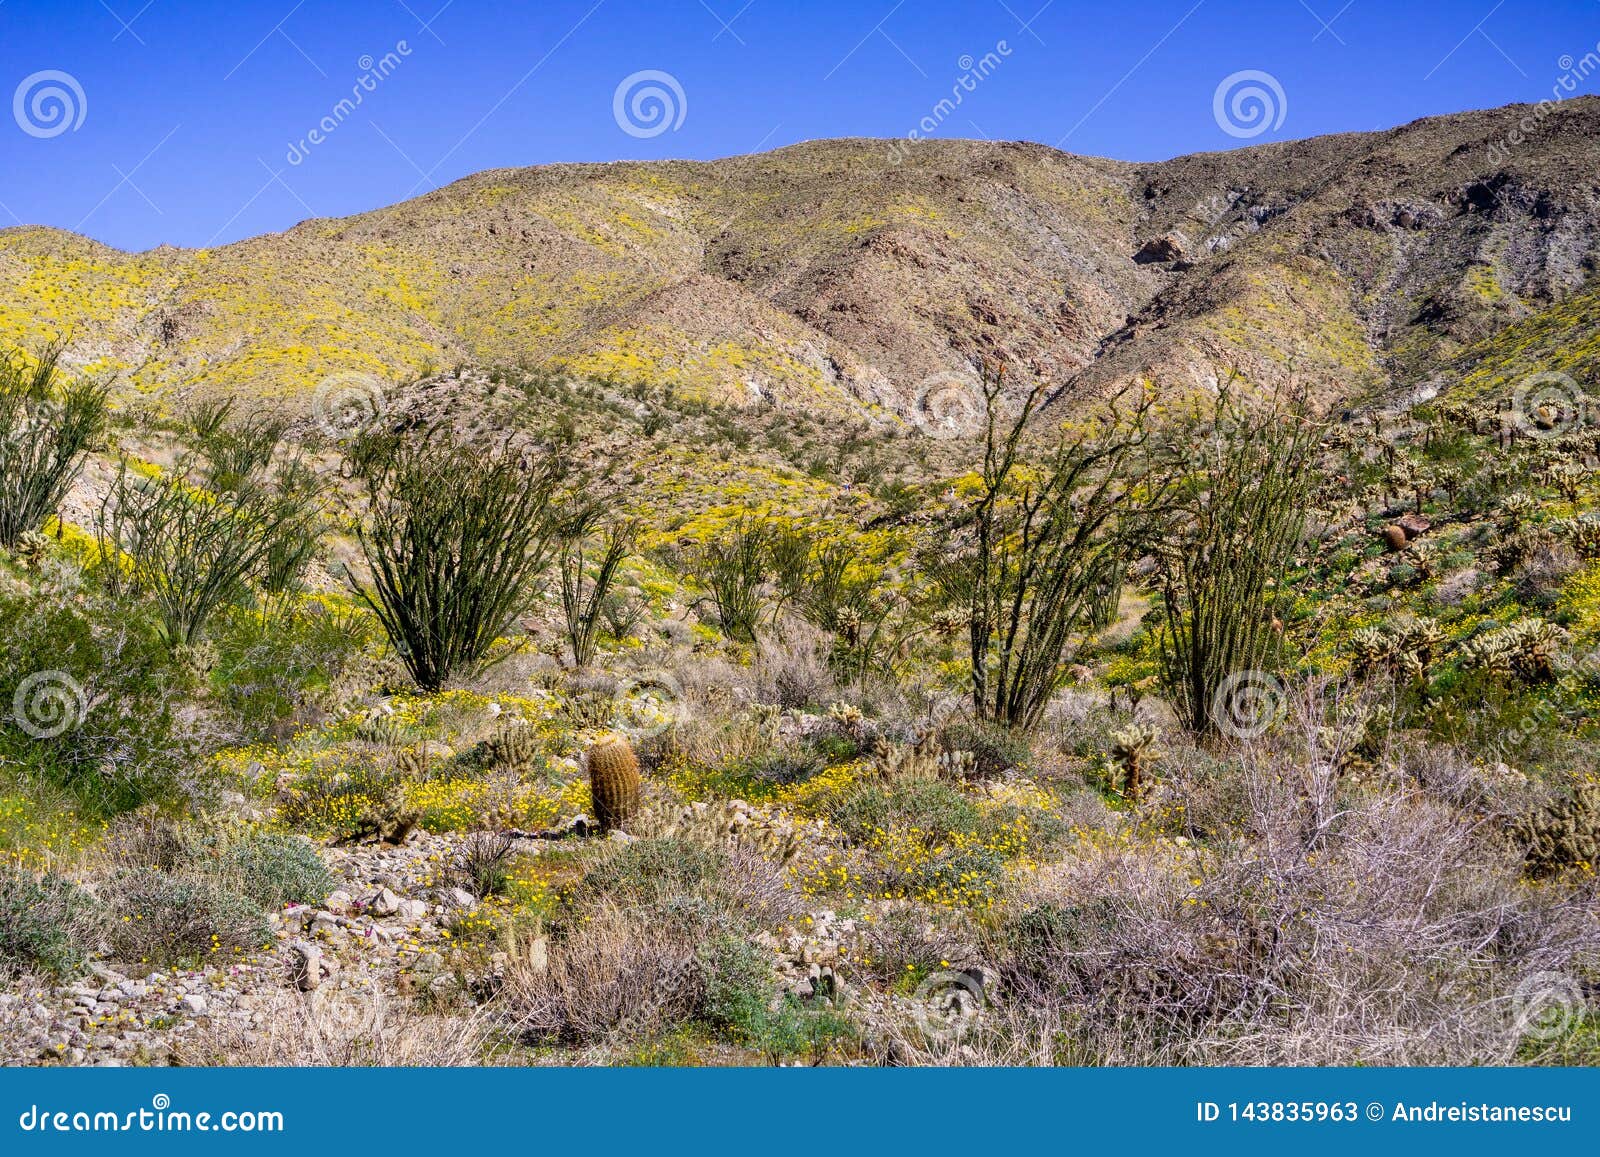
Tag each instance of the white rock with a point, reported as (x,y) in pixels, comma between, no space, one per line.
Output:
(383,902)
(194,1004)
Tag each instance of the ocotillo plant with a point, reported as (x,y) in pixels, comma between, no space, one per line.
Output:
(1239,479)
(46,427)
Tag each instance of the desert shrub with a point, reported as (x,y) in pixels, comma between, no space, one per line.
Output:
(995,749)
(786,764)
(277,673)
(176,918)
(96,696)
(739,1002)
(1346,927)
(690,886)
(792,671)
(616,977)
(46,428)
(456,537)
(47,924)
(931,806)
(906,942)
(147,838)
(273,870)
(343,1028)
(483,863)
(344,796)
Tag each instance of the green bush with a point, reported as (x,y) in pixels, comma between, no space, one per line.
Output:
(936,808)
(689,887)
(106,691)
(740,1003)
(995,749)
(47,924)
(274,870)
(166,919)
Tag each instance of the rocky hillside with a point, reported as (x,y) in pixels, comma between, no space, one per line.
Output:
(824,277)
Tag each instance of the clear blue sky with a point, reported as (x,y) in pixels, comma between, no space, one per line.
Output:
(189,109)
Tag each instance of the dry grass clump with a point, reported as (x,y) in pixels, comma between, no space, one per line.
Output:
(625,960)
(349,1027)
(617,977)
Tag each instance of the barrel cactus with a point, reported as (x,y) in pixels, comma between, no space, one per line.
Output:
(613,782)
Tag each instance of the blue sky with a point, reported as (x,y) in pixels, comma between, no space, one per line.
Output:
(189,123)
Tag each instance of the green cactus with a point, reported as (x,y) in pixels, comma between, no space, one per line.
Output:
(1563,835)
(614,782)
(1134,750)
(513,746)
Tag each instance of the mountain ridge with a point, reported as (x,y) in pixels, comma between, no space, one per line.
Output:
(820,277)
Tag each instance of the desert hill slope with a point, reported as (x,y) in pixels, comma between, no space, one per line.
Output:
(826,277)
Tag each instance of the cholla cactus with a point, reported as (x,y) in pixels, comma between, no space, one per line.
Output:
(513,747)
(1371,650)
(902,763)
(31,549)
(1407,647)
(958,765)
(850,626)
(732,822)
(1529,649)
(1565,834)
(381,728)
(1566,477)
(1517,546)
(1582,534)
(949,624)
(1516,509)
(1423,560)
(847,716)
(1134,750)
